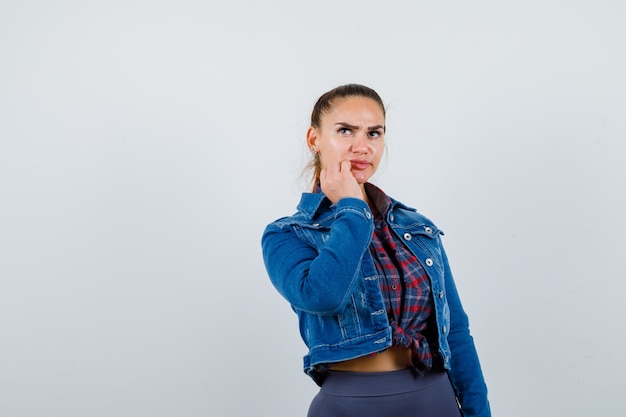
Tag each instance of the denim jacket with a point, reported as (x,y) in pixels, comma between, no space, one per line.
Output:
(318,259)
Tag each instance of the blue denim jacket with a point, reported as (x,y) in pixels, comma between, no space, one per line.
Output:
(318,259)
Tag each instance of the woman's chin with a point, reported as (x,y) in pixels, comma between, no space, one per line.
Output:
(360,177)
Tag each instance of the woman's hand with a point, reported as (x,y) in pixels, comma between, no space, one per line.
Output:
(337,182)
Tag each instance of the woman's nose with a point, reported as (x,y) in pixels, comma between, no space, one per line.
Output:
(360,143)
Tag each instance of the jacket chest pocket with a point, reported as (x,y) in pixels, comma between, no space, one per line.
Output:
(425,243)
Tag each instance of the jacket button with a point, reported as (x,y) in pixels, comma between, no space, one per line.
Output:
(428,230)
(391,217)
(429,262)
(407,236)
(440,294)
(368,214)
(444,329)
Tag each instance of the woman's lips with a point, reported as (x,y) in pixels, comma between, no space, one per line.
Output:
(359,164)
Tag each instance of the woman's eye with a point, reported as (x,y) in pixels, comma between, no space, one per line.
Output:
(344,131)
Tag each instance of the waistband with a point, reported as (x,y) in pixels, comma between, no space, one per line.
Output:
(357,384)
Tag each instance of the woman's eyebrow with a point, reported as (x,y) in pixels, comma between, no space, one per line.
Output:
(353,127)
(348,125)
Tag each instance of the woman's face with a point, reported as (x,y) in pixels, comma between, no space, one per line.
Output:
(353,130)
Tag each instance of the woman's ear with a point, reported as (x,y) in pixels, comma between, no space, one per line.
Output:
(311,138)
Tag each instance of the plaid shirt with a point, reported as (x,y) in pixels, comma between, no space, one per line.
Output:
(405,287)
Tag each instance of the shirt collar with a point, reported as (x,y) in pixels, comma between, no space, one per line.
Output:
(378,198)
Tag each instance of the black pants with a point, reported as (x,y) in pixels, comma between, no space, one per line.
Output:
(385,394)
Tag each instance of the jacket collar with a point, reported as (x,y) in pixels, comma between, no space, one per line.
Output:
(314,203)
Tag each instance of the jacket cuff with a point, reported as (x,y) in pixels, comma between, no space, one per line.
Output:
(351,204)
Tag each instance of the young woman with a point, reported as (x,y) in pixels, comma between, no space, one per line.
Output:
(370,282)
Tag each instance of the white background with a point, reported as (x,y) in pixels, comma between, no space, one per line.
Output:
(144,146)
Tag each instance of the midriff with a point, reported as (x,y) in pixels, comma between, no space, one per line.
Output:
(392,359)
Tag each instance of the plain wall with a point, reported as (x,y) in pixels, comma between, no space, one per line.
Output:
(144,146)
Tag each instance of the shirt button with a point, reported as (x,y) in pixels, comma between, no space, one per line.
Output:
(428,230)
(429,262)
(394,287)
(407,236)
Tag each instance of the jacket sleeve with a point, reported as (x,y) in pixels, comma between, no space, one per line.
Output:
(319,283)
(465,371)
